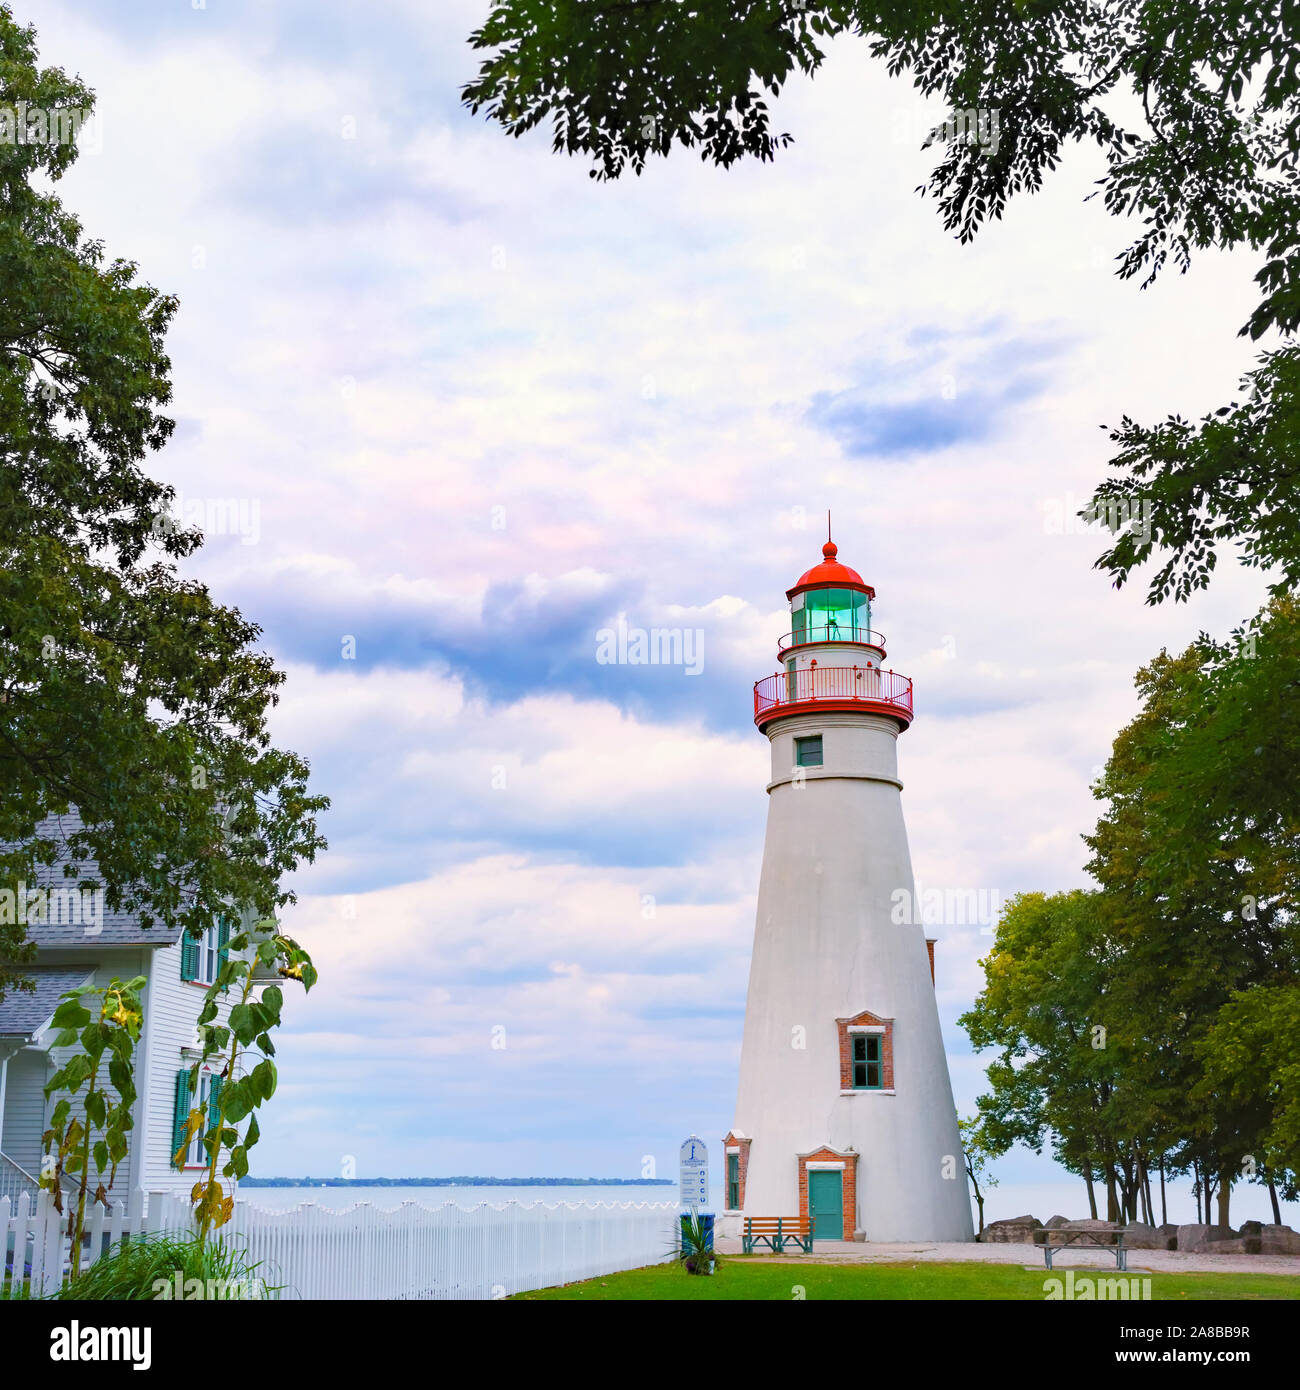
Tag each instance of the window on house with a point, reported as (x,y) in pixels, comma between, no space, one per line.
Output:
(196,1155)
(201,956)
(808,751)
(208,949)
(733,1182)
(867,1068)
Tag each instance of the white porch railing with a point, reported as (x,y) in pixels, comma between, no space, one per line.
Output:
(412,1252)
(15,1180)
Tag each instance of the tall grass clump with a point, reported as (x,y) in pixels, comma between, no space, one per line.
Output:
(161,1266)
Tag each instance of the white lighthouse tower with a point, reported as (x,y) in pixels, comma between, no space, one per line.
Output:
(845,1112)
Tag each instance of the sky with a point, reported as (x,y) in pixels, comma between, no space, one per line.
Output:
(450,408)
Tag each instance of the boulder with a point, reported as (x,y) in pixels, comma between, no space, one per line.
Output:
(1088,1223)
(1051,1223)
(1139,1236)
(1194,1239)
(1012,1230)
(1242,1245)
(1252,1228)
(1170,1232)
(1091,1223)
(1279,1240)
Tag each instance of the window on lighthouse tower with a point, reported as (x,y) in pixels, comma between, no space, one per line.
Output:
(831,615)
(866,1062)
(808,751)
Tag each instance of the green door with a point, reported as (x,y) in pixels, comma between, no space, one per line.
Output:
(826,1203)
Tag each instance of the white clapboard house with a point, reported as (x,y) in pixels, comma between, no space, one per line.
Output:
(77,944)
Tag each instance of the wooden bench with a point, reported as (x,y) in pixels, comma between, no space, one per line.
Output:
(776,1232)
(1066,1236)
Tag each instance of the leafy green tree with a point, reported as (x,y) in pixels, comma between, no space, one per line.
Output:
(1198,854)
(1251,1053)
(125,691)
(980,1152)
(1229,478)
(1059,1073)
(1194,105)
(83,373)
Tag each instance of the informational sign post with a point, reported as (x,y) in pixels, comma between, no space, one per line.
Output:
(693,1175)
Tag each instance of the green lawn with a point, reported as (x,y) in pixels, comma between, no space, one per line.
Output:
(757,1278)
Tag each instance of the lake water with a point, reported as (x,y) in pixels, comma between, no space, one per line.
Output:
(337,1198)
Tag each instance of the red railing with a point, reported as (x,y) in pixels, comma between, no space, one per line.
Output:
(842,684)
(832,633)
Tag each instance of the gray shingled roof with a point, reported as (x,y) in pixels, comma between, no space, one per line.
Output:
(24,1013)
(118,928)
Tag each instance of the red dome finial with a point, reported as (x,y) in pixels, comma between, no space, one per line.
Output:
(830,572)
(830,549)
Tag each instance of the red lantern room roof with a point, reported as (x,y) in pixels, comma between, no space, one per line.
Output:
(830,574)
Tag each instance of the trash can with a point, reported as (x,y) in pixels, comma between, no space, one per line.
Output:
(705,1219)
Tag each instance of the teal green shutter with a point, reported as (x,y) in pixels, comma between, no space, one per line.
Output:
(189,956)
(180,1113)
(223,946)
(214,1101)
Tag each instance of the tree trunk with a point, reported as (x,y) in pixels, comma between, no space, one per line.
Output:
(1092,1193)
(1112,1197)
(979,1201)
(1164,1213)
(1225,1193)
(1128,1192)
(1272,1196)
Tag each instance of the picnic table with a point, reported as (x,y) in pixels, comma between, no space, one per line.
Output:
(1063,1237)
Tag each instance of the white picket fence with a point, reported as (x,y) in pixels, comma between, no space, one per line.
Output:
(410,1252)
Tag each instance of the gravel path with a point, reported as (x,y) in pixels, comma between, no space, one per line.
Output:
(1030,1256)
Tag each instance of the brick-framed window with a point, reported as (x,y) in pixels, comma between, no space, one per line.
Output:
(866,1053)
(866,1071)
(848,1181)
(735,1149)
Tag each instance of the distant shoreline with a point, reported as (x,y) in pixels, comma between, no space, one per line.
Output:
(456,1182)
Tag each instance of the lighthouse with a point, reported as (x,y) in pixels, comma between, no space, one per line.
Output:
(844,1114)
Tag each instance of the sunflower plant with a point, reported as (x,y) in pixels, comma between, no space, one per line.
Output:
(242,1050)
(90,1126)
